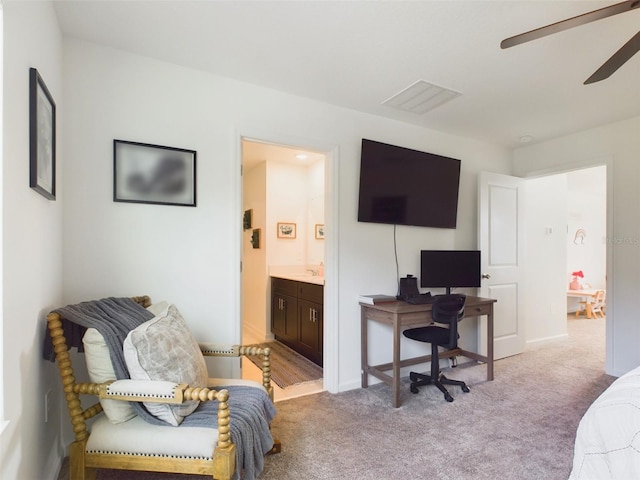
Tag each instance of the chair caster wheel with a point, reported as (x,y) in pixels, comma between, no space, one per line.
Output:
(465,389)
(448,397)
(413,377)
(413,389)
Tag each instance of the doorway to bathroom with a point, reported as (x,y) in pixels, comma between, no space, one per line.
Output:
(283,202)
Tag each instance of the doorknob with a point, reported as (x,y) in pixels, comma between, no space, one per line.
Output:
(486,275)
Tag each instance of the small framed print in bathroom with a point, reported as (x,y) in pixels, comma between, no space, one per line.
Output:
(255,238)
(286,230)
(319,231)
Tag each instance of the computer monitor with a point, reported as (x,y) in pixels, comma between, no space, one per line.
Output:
(449,269)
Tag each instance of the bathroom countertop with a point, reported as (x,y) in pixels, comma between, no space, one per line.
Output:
(308,278)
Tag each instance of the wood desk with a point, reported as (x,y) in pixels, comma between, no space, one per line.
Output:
(401,315)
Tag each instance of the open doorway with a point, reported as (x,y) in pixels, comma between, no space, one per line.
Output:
(566,217)
(587,257)
(282,185)
(586,228)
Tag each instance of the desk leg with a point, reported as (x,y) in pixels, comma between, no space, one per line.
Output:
(490,345)
(396,361)
(364,356)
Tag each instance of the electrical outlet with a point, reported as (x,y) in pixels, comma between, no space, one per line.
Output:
(47,405)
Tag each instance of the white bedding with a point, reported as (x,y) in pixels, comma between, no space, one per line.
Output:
(608,437)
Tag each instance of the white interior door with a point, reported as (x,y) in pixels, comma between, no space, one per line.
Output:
(501,235)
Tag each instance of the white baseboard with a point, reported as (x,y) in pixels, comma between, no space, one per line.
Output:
(251,335)
(54,463)
(539,342)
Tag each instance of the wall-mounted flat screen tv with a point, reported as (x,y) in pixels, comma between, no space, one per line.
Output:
(407,187)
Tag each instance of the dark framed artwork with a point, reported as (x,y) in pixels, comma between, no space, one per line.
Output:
(42,137)
(246,219)
(155,174)
(255,238)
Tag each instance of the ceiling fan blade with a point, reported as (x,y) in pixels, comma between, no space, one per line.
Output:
(618,59)
(570,23)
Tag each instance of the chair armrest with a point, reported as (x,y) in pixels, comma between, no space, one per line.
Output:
(144,391)
(212,350)
(150,391)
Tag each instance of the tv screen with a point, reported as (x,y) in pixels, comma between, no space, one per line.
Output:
(407,187)
(449,268)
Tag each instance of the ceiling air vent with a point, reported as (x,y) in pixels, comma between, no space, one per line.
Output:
(421,97)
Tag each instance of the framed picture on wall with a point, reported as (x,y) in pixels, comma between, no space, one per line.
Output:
(319,231)
(255,238)
(42,137)
(286,230)
(246,219)
(145,173)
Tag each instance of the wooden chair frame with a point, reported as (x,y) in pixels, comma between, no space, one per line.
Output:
(83,465)
(593,305)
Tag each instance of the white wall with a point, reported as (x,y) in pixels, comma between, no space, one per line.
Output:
(545,283)
(587,225)
(287,195)
(32,250)
(295,193)
(254,260)
(190,256)
(315,212)
(617,145)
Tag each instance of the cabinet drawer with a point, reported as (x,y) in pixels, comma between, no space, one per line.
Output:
(311,292)
(282,285)
(478,310)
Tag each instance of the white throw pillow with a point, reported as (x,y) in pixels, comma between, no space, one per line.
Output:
(163,348)
(100,368)
(158,308)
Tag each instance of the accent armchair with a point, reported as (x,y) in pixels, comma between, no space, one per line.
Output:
(154,420)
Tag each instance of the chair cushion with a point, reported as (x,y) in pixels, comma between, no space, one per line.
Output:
(163,348)
(141,438)
(430,334)
(100,368)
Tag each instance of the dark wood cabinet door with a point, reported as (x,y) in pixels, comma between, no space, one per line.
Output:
(284,317)
(310,330)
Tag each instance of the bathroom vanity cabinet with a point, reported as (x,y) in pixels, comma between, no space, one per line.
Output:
(297,316)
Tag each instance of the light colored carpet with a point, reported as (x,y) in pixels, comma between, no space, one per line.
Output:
(521,426)
(287,366)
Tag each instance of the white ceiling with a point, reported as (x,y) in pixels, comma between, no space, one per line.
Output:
(254,152)
(358,54)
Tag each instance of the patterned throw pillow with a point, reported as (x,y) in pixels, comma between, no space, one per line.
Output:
(163,348)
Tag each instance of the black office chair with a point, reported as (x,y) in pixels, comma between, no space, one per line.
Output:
(447,309)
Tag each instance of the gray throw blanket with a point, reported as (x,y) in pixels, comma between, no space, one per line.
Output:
(250,408)
(113,317)
(251,412)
